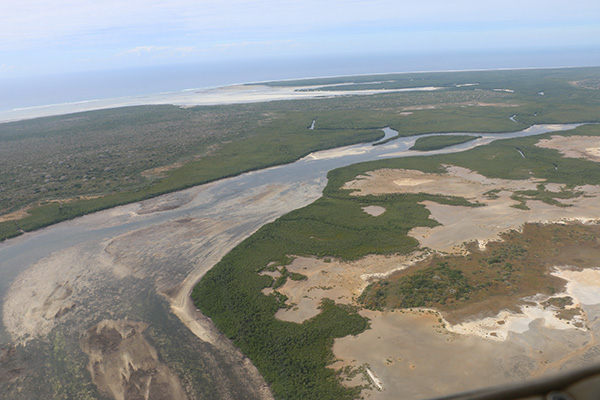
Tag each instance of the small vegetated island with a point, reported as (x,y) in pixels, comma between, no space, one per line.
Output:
(486,257)
(437,142)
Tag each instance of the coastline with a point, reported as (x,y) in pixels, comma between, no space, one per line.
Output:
(217,95)
(224,95)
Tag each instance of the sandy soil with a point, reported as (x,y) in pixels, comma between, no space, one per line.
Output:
(403,350)
(336,153)
(233,94)
(336,280)
(412,354)
(574,146)
(159,172)
(16,215)
(465,104)
(418,354)
(593,84)
(375,211)
(583,287)
(22,213)
(463,224)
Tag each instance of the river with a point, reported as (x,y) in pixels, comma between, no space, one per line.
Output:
(136,264)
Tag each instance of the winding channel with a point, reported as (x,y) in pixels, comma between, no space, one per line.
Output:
(139,262)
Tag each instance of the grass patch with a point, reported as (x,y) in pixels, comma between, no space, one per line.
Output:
(486,282)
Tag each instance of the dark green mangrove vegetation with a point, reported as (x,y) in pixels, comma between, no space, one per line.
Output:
(57,168)
(335,226)
(437,142)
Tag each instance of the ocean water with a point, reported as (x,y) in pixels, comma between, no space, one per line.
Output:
(132,86)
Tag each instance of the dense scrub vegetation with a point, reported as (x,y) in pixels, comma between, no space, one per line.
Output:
(486,282)
(101,159)
(424,288)
(97,160)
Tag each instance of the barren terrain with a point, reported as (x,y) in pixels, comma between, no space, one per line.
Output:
(574,146)
(404,349)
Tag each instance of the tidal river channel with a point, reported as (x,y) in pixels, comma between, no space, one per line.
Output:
(105,297)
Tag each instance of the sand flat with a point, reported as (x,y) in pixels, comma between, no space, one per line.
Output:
(336,280)
(463,224)
(406,348)
(587,147)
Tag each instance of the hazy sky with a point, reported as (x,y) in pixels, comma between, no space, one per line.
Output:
(39,36)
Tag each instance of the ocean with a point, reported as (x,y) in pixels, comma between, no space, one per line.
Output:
(28,97)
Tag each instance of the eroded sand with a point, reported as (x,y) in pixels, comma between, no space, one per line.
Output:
(375,211)
(336,280)
(574,146)
(463,224)
(412,354)
(583,288)
(124,365)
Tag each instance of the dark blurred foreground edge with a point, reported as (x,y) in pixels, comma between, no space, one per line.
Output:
(583,384)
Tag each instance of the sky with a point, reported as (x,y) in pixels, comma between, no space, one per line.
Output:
(40,37)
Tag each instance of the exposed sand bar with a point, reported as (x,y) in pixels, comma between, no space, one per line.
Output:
(195,97)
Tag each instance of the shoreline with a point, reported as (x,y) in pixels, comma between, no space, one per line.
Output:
(224,95)
(15,114)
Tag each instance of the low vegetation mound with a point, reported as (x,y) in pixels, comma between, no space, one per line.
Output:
(437,142)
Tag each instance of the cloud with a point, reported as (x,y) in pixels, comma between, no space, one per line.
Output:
(32,32)
(7,68)
(31,23)
(158,50)
(253,43)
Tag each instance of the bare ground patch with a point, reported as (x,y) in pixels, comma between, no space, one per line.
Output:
(124,365)
(404,349)
(463,104)
(16,215)
(411,353)
(375,211)
(591,83)
(336,280)
(574,146)
(464,224)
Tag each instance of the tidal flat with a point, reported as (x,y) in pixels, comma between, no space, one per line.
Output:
(80,295)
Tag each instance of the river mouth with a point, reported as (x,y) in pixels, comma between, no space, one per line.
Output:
(128,267)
